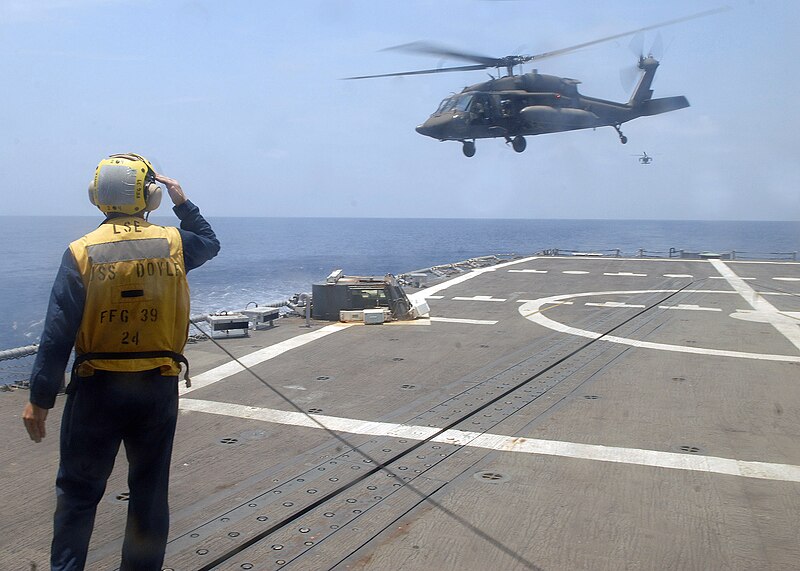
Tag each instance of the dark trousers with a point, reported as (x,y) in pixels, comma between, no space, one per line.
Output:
(139,410)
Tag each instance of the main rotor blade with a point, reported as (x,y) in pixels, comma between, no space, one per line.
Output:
(422,71)
(623,34)
(511,61)
(438,50)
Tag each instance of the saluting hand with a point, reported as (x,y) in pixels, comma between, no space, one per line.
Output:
(174,189)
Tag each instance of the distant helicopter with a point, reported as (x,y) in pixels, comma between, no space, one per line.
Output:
(514,106)
(644,158)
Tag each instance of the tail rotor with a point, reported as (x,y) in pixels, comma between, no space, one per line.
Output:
(629,74)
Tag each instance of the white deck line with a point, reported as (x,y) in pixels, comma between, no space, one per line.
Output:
(427,292)
(614,304)
(630,456)
(625,274)
(469,321)
(787,326)
(689,307)
(232,367)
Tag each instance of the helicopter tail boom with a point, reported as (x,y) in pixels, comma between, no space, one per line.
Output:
(641,100)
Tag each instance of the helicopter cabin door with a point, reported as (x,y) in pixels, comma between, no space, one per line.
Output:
(482,111)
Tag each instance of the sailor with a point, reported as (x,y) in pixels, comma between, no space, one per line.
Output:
(122,299)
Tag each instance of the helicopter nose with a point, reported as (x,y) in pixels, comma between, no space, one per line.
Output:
(424,129)
(433,127)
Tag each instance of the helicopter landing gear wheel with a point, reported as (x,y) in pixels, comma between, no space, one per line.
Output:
(519,143)
(468,149)
(622,138)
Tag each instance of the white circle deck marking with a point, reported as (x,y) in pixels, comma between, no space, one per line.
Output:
(532,311)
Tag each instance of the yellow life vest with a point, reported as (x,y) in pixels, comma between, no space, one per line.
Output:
(136,316)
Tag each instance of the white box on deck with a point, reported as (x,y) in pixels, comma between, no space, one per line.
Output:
(419,308)
(229,321)
(350,315)
(235,322)
(262,314)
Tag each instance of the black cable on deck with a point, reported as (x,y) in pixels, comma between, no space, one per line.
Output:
(384,465)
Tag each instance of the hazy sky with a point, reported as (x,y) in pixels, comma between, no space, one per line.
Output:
(243,103)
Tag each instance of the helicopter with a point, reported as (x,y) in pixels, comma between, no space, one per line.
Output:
(515,106)
(644,158)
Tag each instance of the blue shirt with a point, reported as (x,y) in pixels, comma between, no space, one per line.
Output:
(67,298)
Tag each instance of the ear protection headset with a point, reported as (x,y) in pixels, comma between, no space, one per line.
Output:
(126,184)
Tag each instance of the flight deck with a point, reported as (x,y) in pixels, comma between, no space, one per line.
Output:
(549,413)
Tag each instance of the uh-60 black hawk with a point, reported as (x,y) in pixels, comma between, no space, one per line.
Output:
(514,106)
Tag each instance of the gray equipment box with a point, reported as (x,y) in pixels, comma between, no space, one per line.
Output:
(231,324)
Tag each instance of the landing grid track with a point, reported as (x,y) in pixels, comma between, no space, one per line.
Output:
(298,518)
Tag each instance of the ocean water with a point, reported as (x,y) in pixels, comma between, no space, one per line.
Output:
(269,259)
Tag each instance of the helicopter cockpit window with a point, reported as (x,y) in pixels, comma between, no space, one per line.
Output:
(462,102)
(454,103)
(445,105)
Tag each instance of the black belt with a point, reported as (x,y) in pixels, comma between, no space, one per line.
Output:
(177,357)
